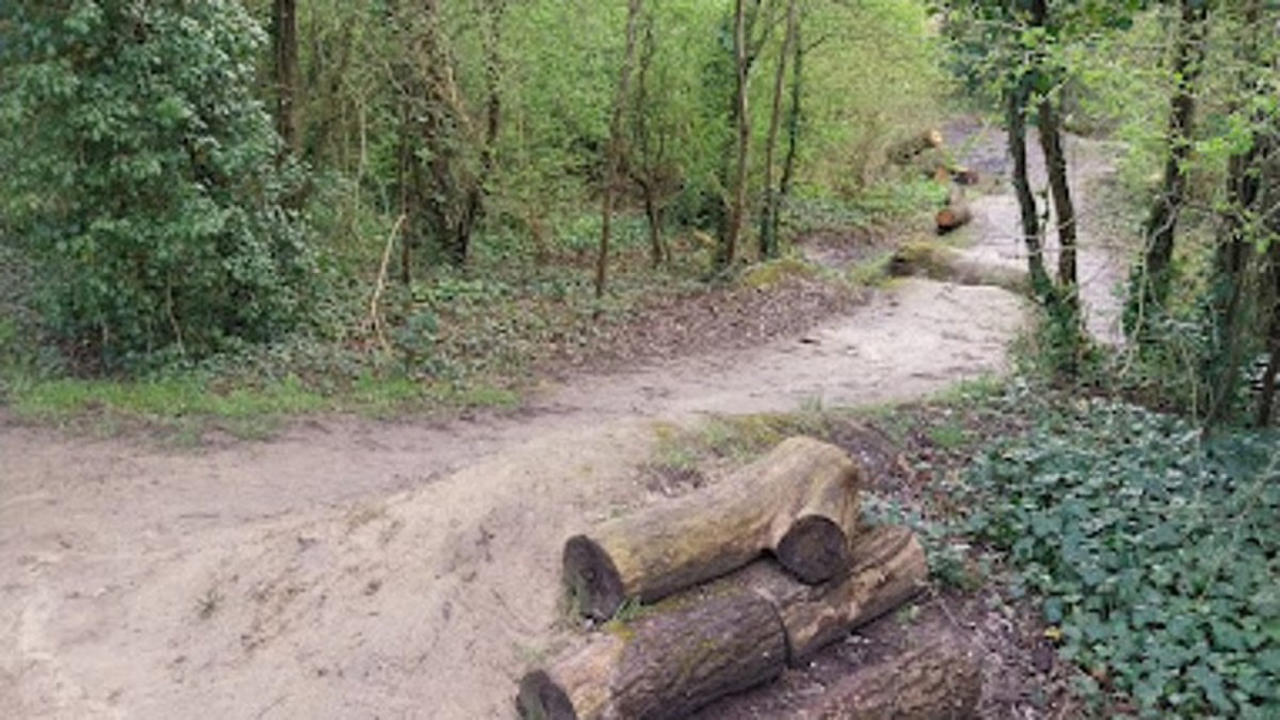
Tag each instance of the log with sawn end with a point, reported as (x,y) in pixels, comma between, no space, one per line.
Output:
(799,502)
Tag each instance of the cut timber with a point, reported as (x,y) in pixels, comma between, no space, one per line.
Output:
(939,680)
(800,502)
(953,216)
(903,152)
(663,666)
(889,568)
(720,638)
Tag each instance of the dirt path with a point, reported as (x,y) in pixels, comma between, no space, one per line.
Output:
(354,569)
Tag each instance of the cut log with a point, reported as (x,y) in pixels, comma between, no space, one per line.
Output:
(902,152)
(662,666)
(939,680)
(800,502)
(723,637)
(953,216)
(889,568)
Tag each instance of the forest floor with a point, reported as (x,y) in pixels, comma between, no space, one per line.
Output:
(354,568)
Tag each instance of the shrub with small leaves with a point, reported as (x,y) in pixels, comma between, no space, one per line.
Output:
(141,177)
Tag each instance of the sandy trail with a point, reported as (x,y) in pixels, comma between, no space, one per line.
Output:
(354,569)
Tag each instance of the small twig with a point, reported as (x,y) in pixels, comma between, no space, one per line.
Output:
(375,303)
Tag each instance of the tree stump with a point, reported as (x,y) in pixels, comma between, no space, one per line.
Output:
(800,502)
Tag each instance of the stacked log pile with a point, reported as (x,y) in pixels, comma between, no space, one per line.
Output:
(748,577)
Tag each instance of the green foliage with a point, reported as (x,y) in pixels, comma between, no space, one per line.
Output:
(140,179)
(1155,550)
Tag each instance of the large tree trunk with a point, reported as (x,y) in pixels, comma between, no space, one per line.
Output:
(1162,224)
(284,37)
(613,156)
(939,680)
(1234,255)
(769,213)
(800,502)
(730,635)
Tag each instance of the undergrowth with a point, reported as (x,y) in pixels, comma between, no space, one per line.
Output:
(1157,552)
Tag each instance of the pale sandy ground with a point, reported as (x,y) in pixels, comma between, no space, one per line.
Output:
(355,569)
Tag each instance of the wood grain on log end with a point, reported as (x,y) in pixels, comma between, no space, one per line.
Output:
(815,549)
(593,580)
(541,699)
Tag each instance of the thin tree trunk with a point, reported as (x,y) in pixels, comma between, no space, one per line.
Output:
(737,210)
(613,159)
(1162,224)
(794,115)
(284,36)
(768,223)
(1018,97)
(474,206)
(1267,400)
(1064,210)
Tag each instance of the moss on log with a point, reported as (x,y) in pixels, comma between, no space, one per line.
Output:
(800,502)
(723,637)
(665,665)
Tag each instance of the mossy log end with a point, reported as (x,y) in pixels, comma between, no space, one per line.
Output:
(800,502)
(939,680)
(665,665)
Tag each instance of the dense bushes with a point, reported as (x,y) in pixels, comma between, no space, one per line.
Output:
(141,178)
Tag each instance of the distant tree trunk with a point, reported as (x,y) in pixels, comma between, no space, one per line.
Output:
(1018,96)
(284,40)
(1152,287)
(794,113)
(1056,164)
(474,205)
(1267,400)
(649,171)
(769,213)
(737,210)
(613,156)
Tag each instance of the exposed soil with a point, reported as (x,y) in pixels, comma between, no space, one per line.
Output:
(353,569)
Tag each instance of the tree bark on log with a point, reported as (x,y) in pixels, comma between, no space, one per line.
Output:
(663,666)
(724,637)
(800,502)
(936,681)
(888,569)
